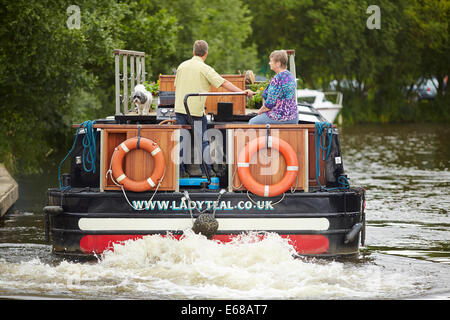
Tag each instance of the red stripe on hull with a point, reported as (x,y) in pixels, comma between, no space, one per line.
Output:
(303,244)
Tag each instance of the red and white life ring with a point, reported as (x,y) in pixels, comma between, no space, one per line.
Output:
(117,160)
(246,177)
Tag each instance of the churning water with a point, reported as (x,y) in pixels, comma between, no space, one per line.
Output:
(193,268)
(405,170)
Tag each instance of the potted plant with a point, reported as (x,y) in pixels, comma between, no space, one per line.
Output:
(255,102)
(153,88)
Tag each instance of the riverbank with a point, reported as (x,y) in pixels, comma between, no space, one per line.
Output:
(9,190)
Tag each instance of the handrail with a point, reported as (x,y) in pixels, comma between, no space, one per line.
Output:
(132,52)
(191,121)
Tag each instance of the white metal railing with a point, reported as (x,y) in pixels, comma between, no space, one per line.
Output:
(136,75)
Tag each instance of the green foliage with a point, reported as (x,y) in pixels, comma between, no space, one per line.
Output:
(224,24)
(255,102)
(41,62)
(332,42)
(52,76)
(152,87)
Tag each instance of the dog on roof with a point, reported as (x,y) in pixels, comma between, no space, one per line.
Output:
(142,99)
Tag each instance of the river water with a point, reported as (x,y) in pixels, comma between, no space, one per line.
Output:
(405,170)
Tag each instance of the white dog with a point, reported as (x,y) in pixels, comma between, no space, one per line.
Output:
(142,99)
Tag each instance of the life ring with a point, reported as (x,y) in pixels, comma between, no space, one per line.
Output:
(117,160)
(246,177)
(170,121)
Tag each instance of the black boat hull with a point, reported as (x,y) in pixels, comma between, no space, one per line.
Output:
(88,222)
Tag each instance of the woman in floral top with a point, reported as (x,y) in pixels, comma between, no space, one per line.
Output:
(280,106)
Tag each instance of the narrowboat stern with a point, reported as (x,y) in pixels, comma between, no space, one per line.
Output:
(142,175)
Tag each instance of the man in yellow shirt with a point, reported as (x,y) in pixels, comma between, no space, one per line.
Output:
(195,76)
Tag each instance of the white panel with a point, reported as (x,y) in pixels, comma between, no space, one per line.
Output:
(244,224)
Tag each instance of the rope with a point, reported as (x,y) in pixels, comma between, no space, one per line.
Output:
(123,189)
(89,150)
(322,127)
(207,208)
(273,204)
(215,207)
(139,136)
(89,146)
(324,130)
(232,178)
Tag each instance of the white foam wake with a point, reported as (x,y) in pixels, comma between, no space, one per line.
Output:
(194,267)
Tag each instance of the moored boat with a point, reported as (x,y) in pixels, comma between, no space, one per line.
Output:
(314,100)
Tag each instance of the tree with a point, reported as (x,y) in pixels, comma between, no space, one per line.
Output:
(224,24)
(46,66)
(430,32)
(41,60)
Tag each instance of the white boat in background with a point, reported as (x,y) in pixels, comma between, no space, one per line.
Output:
(308,100)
